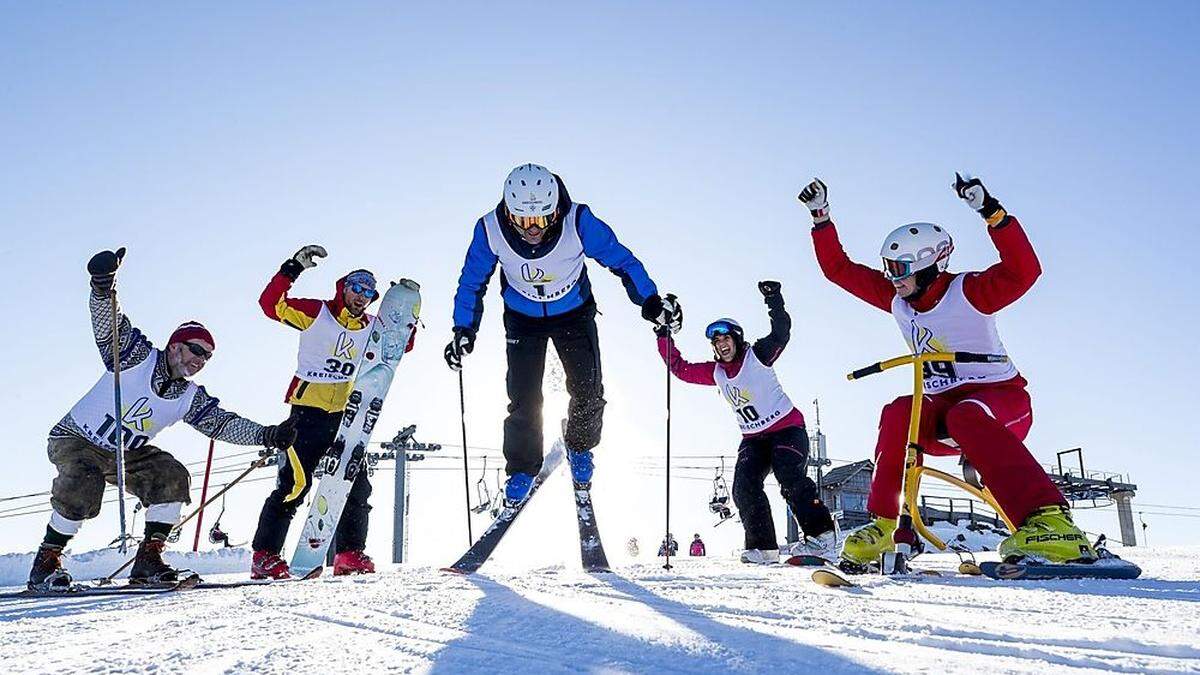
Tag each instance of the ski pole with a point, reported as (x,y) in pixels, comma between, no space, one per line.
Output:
(667,538)
(118,416)
(462,406)
(203,494)
(256,464)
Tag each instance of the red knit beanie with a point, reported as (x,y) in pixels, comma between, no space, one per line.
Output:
(191,330)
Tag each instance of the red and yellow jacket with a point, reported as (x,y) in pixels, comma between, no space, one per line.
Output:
(300,313)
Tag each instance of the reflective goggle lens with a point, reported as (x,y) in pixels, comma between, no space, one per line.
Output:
(718,328)
(364,290)
(895,270)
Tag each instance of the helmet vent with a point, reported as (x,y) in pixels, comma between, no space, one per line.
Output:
(895,246)
(913,230)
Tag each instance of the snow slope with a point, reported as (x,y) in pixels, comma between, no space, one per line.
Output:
(706,615)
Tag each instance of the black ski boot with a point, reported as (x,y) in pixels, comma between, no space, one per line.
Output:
(149,568)
(48,573)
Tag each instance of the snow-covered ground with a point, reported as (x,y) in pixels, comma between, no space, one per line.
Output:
(705,615)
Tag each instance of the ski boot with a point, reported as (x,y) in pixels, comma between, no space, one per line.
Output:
(863,546)
(1048,535)
(47,573)
(517,489)
(267,565)
(149,569)
(756,556)
(352,562)
(581,466)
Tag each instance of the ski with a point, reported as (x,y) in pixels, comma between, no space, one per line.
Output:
(591,549)
(1105,568)
(312,574)
(389,336)
(832,578)
(481,550)
(83,590)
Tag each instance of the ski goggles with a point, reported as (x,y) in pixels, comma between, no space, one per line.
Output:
(527,223)
(896,270)
(717,328)
(197,350)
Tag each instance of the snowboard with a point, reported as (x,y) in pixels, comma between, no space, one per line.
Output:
(481,550)
(1105,568)
(389,335)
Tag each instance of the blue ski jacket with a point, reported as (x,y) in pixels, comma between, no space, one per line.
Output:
(599,244)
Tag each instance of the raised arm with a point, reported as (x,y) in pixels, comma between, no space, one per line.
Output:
(299,313)
(1005,282)
(865,283)
(133,345)
(768,349)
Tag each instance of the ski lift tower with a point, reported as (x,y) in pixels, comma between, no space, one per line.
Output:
(404,449)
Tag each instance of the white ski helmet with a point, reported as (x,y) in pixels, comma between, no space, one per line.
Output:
(531,190)
(914,247)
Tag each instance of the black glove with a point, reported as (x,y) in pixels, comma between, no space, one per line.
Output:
(103,268)
(769,288)
(663,312)
(280,436)
(463,342)
(972,191)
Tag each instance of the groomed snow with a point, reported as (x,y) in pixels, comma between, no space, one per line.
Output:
(706,615)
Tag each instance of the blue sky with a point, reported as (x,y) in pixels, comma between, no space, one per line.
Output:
(213,142)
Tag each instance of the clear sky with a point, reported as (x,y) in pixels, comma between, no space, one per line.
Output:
(214,141)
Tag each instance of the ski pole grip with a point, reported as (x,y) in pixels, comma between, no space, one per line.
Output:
(863,372)
(972,357)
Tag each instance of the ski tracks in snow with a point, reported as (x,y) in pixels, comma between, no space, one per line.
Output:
(706,616)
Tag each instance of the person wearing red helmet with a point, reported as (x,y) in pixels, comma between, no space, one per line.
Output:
(773,434)
(156,392)
(979,409)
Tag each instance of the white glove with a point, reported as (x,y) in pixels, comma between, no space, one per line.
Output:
(970,190)
(816,197)
(305,255)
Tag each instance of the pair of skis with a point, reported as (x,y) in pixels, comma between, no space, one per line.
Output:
(1108,567)
(591,549)
(190,582)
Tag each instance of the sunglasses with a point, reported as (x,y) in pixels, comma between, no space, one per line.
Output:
(363,290)
(197,350)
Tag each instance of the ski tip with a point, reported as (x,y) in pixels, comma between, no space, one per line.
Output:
(314,572)
(831,579)
(455,570)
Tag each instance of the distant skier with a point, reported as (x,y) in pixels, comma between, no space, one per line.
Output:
(773,434)
(697,548)
(332,335)
(539,237)
(983,407)
(155,393)
(668,543)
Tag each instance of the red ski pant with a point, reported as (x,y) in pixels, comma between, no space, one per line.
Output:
(989,423)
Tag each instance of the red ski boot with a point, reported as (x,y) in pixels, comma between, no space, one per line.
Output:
(352,562)
(269,565)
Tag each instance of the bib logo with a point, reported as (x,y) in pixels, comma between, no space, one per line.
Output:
(922,340)
(137,414)
(736,397)
(534,275)
(936,373)
(344,349)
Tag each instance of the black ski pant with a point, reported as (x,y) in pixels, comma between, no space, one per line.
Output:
(315,431)
(578,345)
(786,453)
